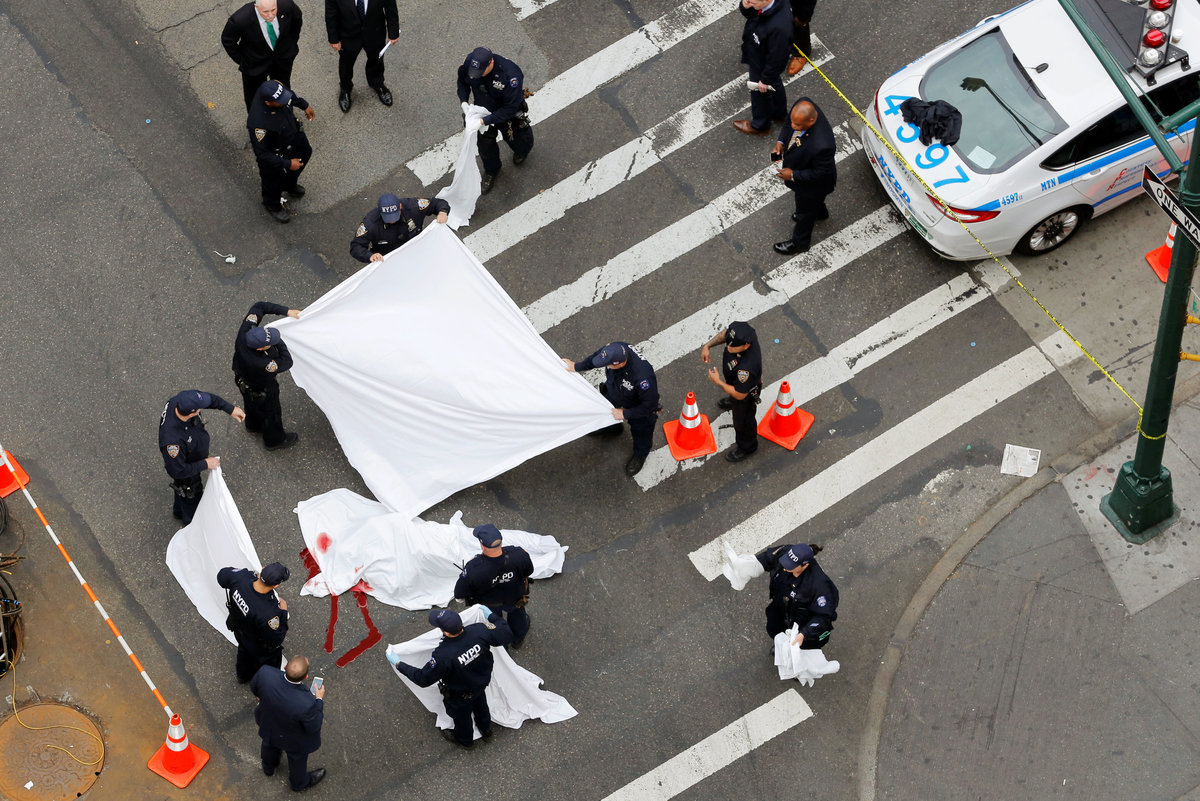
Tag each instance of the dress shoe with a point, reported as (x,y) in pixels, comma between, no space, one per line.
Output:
(385,95)
(745,127)
(489,180)
(725,403)
(280,215)
(297,191)
(519,160)
(796,64)
(737,454)
(787,248)
(448,736)
(314,777)
(634,465)
(344,102)
(289,439)
(268,771)
(487,735)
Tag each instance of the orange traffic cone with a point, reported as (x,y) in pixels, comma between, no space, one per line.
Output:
(177,760)
(784,424)
(1159,259)
(691,435)
(8,482)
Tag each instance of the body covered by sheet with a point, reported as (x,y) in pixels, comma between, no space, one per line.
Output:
(432,378)
(215,538)
(514,696)
(404,562)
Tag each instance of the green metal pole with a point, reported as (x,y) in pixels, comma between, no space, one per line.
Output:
(1142,497)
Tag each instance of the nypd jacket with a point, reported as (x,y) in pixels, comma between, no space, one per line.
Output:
(809,600)
(272,132)
(495,581)
(376,236)
(633,387)
(501,91)
(184,443)
(255,616)
(464,663)
(259,368)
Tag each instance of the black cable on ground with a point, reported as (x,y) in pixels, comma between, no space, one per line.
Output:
(10,558)
(10,625)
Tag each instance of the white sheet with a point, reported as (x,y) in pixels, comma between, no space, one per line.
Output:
(432,378)
(408,563)
(514,696)
(463,192)
(804,665)
(739,568)
(215,538)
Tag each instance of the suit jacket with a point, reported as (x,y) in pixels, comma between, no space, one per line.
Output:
(343,24)
(811,159)
(243,38)
(289,716)
(767,41)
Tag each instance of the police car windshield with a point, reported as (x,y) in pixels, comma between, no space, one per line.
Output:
(1004,117)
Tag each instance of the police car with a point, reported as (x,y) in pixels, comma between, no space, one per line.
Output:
(1047,142)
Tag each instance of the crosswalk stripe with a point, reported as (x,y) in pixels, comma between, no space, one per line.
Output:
(717,750)
(783,516)
(667,244)
(614,168)
(526,8)
(842,363)
(582,79)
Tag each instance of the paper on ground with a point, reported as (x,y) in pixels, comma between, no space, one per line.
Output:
(739,568)
(804,665)
(514,696)
(404,562)
(215,538)
(432,378)
(1019,461)
(463,192)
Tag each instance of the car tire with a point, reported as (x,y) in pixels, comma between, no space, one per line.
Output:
(1053,231)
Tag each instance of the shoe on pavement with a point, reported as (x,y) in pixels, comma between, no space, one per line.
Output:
(634,465)
(448,736)
(519,160)
(737,454)
(487,735)
(796,64)
(344,101)
(297,191)
(745,127)
(489,180)
(725,403)
(314,777)
(788,247)
(289,439)
(280,215)
(385,95)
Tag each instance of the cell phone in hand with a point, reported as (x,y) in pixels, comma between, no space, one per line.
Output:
(776,157)
(317,683)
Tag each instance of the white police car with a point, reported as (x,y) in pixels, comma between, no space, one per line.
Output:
(1047,141)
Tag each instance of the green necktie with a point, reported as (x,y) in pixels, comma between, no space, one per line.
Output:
(271,33)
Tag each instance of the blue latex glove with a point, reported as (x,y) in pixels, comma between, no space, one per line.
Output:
(392,658)
(486,611)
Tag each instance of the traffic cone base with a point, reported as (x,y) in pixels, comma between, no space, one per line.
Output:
(1159,259)
(707,442)
(8,484)
(177,760)
(790,441)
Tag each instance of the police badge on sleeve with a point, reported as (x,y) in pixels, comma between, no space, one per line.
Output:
(423,203)
(274,623)
(362,229)
(743,376)
(260,133)
(172,451)
(272,366)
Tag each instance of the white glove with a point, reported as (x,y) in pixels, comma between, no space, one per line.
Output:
(465,106)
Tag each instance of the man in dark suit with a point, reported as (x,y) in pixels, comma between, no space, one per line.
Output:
(766,44)
(807,148)
(263,39)
(289,720)
(357,25)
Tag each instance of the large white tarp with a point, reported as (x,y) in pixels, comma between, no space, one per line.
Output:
(463,192)
(514,696)
(400,561)
(215,538)
(432,378)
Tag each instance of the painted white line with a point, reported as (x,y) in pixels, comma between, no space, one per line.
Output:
(668,244)
(841,364)
(612,169)
(620,57)
(856,470)
(526,8)
(717,751)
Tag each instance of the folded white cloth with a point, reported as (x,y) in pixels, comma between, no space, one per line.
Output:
(514,696)
(804,665)
(739,568)
(411,563)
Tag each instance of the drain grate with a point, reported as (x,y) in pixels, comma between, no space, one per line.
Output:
(29,755)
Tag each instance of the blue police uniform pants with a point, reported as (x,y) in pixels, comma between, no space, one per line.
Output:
(297,765)
(642,430)
(745,425)
(250,659)
(518,621)
(768,106)
(185,508)
(517,132)
(809,209)
(265,415)
(460,711)
(276,182)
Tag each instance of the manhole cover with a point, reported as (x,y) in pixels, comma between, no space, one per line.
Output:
(48,764)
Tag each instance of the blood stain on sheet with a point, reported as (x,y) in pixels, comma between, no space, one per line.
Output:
(323,542)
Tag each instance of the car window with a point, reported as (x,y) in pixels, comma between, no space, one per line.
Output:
(1173,96)
(1113,130)
(1003,116)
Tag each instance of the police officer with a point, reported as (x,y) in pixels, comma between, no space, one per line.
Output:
(766,47)
(498,86)
(280,145)
(258,617)
(392,224)
(462,665)
(632,389)
(259,356)
(499,577)
(183,441)
(801,593)
(741,367)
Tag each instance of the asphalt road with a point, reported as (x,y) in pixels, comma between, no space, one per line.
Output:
(120,184)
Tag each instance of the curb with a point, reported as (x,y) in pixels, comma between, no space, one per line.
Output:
(889,663)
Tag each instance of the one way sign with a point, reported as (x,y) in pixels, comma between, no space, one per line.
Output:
(1168,201)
